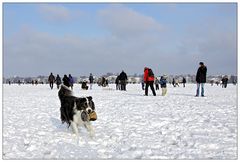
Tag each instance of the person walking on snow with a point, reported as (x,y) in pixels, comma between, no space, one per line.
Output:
(163,83)
(156,83)
(91,80)
(66,81)
(184,82)
(149,80)
(224,82)
(103,82)
(173,83)
(142,82)
(201,78)
(123,80)
(58,81)
(70,81)
(51,80)
(117,83)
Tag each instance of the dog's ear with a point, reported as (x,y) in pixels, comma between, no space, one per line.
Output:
(89,98)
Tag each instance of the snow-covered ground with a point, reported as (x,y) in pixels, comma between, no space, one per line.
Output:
(129,125)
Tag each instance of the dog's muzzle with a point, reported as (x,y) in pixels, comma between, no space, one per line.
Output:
(89,111)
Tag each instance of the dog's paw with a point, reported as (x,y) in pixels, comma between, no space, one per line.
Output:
(81,141)
(92,135)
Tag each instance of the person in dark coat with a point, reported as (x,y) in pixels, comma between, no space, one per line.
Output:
(84,85)
(156,83)
(174,82)
(224,82)
(142,82)
(123,80)
(66,81)
(117,83)
(106,82)
(201,78)
(51,80)
(70,81)
(58,81)
(103,82)
(149,80)
(184,81)
(211,81)
(91,80)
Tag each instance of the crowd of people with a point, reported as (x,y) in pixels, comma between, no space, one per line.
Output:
(148,80)
(66,80)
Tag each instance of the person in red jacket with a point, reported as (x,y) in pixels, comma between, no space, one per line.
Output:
(149,80)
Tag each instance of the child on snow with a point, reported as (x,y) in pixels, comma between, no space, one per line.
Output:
(163,83)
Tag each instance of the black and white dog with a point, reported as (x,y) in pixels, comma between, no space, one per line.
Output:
(75,110)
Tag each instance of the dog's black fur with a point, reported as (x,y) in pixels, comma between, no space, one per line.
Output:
(70,102)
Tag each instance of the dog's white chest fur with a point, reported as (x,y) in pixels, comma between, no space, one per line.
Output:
(77,118)
(77,121)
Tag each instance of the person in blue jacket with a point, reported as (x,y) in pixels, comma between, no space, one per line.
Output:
(163,83)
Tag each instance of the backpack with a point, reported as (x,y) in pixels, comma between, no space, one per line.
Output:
(150,73)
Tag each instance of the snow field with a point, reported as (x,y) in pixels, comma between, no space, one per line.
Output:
(129,125)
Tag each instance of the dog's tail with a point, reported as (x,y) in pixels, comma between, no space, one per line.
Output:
(64,91)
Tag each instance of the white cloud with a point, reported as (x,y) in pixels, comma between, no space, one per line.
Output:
(33,52)
(55,13)
(136,41)
(123,21)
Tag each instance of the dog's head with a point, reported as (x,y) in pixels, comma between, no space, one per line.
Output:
(85,104)
(87,108)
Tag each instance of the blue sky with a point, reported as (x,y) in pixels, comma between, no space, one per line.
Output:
(79,38)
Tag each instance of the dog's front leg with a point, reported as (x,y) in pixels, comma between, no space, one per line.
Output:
(90,129)
(74,128)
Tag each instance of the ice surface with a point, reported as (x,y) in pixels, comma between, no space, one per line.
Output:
(129,125)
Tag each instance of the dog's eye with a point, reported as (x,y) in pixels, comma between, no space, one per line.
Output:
(85,104)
